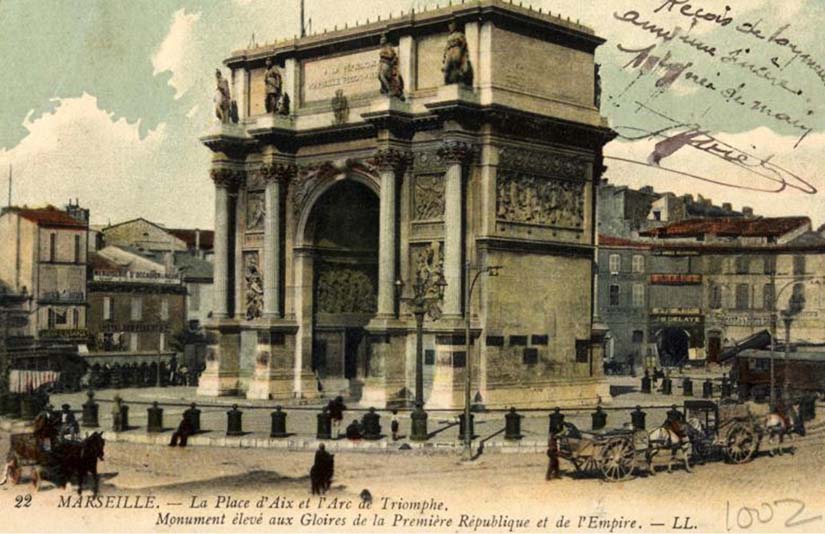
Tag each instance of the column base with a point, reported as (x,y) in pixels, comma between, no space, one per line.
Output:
(270,387)
(378,393)
(214,384)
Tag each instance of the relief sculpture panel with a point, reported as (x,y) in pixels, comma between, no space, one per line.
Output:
(255,212)
(525,198)
(428,198)
(254,284)
(541,188)
(345,290)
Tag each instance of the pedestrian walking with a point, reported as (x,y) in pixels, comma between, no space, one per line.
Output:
(117,420)
(394,425)
(553,454)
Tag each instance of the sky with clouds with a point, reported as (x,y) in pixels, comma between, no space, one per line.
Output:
(104,100)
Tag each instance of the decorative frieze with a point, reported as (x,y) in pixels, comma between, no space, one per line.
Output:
(526,198)
(428,197)
(253,282)
(543,163)
(345,290)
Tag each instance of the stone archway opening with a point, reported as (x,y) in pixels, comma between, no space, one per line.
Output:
(342,233)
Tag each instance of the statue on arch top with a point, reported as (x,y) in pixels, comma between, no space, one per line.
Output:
(223,100)
(274,87)
(392,83)
(456,65)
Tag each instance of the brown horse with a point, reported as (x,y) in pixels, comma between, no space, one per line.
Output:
(79,459)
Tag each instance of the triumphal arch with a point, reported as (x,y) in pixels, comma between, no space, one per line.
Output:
(349,164)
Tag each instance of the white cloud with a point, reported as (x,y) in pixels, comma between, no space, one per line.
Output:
(80,150)
(762,142)
(176,51)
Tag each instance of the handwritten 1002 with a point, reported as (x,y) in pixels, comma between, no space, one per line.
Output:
(792,511)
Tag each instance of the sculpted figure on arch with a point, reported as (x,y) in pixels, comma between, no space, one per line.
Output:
(392,83)
(274,86)
(456,64)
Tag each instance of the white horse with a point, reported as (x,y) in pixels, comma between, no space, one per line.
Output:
(777,427)
(665,438)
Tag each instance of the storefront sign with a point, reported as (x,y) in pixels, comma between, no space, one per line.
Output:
(675,279)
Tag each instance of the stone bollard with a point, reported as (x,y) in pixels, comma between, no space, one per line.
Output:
(512,425)
(556,421)
(637,417)
(727,388)
(120,417)
(278,424)
(645,384)
(462,426)
(372,425)
(419,424)
(687,387)
(90,411)
(234,422)
(599,418)
(194,416)
(667,386)
(324,426)
(154,416)
(707,389)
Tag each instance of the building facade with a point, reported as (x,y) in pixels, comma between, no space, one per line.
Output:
(133,313)
(44,255)
(327,215)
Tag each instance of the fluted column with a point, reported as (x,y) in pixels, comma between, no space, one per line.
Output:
(274,175)
(455,154)
(225,181)
(391,163)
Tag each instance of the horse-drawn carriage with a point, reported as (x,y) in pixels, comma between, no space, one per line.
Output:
(618,454)
(611,453)
(50,455)
(727,427)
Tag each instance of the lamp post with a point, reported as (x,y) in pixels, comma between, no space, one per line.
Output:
(428,291)
(796,304)
(468,379)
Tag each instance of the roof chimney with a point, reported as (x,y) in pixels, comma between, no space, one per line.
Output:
(727,206)
(747,211)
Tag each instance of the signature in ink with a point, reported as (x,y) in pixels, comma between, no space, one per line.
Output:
(678,135)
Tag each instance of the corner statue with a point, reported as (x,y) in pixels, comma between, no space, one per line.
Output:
(274,86)
(392,83)
(222,98)
(456,65)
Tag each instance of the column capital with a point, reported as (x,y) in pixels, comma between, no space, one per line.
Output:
(392,159)
(226,178)
(278,171)
(454,151)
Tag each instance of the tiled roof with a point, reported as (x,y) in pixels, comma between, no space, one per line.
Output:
(207,237)
(98,262)
(49,217)
(731,227)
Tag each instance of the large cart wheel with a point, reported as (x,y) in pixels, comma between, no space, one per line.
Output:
(616,459)
(740,444)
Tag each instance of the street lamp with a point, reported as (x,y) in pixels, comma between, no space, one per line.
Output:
(428,291)
(492,270)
